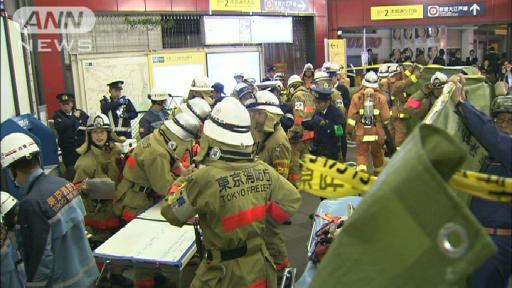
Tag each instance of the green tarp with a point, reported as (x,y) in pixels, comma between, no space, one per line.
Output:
(410,230)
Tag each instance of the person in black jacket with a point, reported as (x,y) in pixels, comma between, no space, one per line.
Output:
(328,123)
(472,60)
(119,109)
(439,60)
(67,121)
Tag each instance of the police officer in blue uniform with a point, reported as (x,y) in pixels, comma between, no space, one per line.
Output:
(496,217)
(119,109)
(328,123)
(67,121)
(156,115)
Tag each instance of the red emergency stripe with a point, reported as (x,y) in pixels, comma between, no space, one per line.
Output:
(281,266)
(298,120)
(174,188)
(196,149)
(308,135)
(309,109)
(103,223)
(131,162)
(185,160)
(244,217)
(294,176)
(414,103)
(145,283)
(128,215)
(277,213)
(261,283)
(254,214)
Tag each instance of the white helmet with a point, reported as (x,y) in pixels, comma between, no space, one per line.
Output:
(7,202)
(384,70)
(250,81)
(269,85)
(267,101)
(241,89)
(394,69)
(239,74)
(371,80)
(322,80)
(98,121)
(329,67)
(294,79)
(320,75)
(197,107)
(279,77)
(16,146)
(201,83)
(308,67)
(229,123)
(438,80)
(184,125)
(158,95)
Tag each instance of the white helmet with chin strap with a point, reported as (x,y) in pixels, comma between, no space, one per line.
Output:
(184,125)
(266,100)
(294,79)
(158,95)
(383,71)
(201,83)
(229,123)
(98,121)
(371,80)
(7,203)
(16,146)
(197,107)
(308,67)
(438,80)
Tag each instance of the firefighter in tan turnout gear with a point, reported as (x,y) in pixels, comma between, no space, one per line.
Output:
(303,105)
(97,173)
(99,160)
(234,197)
(399,79)
(156,162)
(273,148)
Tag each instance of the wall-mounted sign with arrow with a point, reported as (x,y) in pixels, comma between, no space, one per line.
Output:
(454,9)
(287,6)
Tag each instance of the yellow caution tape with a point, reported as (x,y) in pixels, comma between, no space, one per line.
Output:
(490,187)
(330,179)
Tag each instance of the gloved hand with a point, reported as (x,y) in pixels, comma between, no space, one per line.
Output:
(457,78)
(458,94)
(318,120)
(104,100)
(296,135)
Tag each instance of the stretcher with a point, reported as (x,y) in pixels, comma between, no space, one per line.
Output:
(150,242)
(334,207)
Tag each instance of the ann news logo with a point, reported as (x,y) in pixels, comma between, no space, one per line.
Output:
(55,20)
